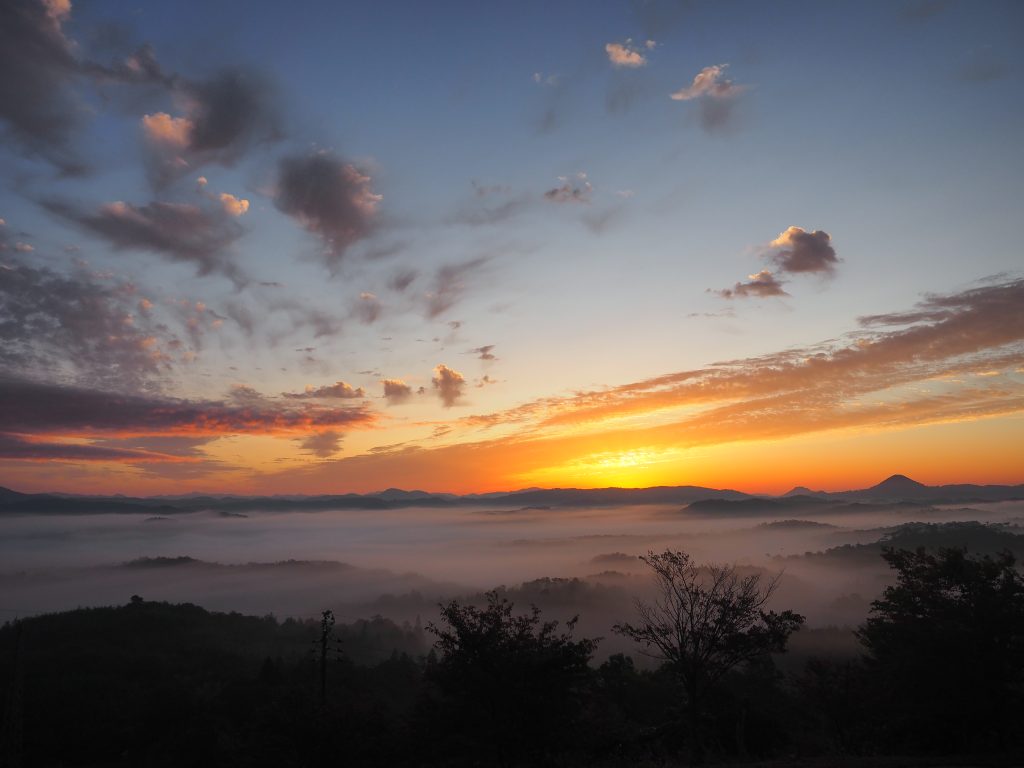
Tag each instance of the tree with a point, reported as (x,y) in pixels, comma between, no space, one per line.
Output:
(945,650)
(705,622)
(506,686)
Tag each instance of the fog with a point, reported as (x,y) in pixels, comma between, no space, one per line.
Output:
(401,562)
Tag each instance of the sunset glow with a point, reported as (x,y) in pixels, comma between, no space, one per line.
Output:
(626,258)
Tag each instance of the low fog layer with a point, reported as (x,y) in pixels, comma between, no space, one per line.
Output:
(400,563)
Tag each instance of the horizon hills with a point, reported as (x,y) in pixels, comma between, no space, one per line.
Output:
(895,488)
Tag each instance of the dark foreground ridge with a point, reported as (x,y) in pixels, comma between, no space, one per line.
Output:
(894,489)
(937,679)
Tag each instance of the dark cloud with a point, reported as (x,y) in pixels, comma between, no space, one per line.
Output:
(762,285)
(230,112)
(396,391)
(402,279)
(322,444)
(330,197)
(577,190)
(29,406)
(367,309)
(243,394)
(449,285)
(179,446)
(797,250)
(448,384)
(94,329)
(17,447)
(484,352)
(339,390)
(178,231)
(999,307)
(37,66)
(224,117)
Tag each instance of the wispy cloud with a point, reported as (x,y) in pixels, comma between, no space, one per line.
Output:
(895,371)
(177,231)
(40,407)
(449,284)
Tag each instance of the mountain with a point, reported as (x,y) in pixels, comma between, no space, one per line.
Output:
(802,490)
(894,489)
(899,487)
(6,494)
(903,488)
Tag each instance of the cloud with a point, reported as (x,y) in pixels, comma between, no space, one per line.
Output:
(484,352)
(402,279)
(37,65)
(224,116)
(35,407)
(178,231)
(547,80)
(18,447)
(576,190)
(449,285)
(329,197)
(797,251)
(340,390)
(944,336)
(367,309)
(762,285)
(81,326)
(322,444)
(626,54)
(711,82)
(172,132)
(229,112)
(396,391)
(246,395)
(449,384)
(715,93)
(233,205)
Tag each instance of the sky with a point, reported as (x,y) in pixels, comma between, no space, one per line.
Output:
(330,247)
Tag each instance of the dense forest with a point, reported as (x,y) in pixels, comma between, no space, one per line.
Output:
(938,671)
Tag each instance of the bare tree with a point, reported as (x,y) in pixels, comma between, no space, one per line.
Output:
(704,622)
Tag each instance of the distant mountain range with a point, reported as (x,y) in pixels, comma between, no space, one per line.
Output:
(897,489)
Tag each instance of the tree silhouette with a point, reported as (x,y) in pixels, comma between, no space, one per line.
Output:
(705,622)
(946,649)
(507,686)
